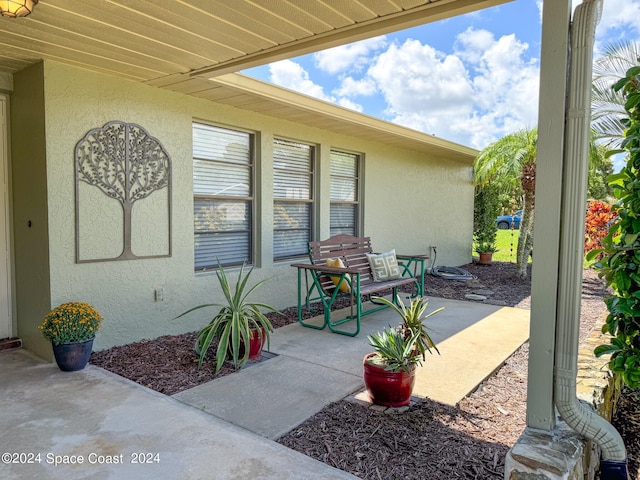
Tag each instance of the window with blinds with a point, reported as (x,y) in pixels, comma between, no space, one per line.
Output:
(222,196)
(293,198)
(344,193)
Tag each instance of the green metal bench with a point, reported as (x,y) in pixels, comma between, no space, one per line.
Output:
(322,283)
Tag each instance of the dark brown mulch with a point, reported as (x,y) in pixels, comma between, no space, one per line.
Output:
(430,440)
(499,277)
(169,364)
(627,422)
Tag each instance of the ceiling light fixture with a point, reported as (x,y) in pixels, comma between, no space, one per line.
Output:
(16,8)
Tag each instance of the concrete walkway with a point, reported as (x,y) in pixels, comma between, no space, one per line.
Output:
(98,418)
(314,368)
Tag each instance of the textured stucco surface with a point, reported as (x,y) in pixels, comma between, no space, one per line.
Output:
(6,81)
(409,200)
(30,216)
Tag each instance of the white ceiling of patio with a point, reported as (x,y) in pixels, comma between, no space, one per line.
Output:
(183,45)
(145,40)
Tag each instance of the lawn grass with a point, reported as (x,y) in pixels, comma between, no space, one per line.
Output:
(507,243)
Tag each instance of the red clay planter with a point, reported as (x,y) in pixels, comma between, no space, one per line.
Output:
(390,389)
(255,344)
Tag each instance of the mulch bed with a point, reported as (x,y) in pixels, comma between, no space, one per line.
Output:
(430,440)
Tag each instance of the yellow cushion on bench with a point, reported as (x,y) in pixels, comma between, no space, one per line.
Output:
(384,266)
(338,263)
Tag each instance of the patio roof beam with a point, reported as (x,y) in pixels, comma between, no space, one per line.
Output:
(429,12)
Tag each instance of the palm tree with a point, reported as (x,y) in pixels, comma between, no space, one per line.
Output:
(511,161)
(505,163)
(607,106)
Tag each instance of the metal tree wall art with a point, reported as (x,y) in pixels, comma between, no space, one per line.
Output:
(127,164)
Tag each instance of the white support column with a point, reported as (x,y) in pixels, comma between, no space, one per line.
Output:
(554,65)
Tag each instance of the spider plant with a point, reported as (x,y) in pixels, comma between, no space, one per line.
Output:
(235,323)
(413,318)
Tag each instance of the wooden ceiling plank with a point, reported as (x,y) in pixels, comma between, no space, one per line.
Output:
(379,8)
(303,14)
(190,88)
(220,95)
(409,4)
(356,11)
(138,27)
(425,13)
(65,40)
(167,80)
(201,23)
(11,64)
(68,26)
(248,23)
(83,60)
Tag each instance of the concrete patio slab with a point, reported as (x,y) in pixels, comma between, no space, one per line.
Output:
(217,430)
(474,340)
(316,367)
(472,354)
(272,397)
(98,418)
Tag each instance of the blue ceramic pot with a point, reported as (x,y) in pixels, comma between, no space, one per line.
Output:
(73,356)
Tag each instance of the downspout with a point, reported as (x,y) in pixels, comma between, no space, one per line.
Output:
(577,131)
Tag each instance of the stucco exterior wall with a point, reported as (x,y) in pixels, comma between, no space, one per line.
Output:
(413,202)
(30,216)
(410,202)
(6,82)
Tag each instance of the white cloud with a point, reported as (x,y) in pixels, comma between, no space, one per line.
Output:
(416,77)
(291,75)
(346,103)
(351,57)
(352,87)
(483,91)
(539,5)
(621,14)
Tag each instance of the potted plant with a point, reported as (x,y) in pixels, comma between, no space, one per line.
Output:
(389,371)
(485,209)
(71,328)
(485,251)
(239,326)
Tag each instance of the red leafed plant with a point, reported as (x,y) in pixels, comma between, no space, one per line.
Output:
(599,217)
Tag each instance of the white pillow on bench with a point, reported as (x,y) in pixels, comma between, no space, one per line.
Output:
(384,266)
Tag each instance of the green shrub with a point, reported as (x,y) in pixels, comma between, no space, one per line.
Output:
(486,207)
(619,260)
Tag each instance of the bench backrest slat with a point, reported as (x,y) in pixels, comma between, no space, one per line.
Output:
(351,250)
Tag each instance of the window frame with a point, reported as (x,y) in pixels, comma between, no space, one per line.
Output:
(310,202)
(249,199)
(357,178)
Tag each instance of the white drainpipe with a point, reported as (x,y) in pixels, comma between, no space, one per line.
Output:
(581,418)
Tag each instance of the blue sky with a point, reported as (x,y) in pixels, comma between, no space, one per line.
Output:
(470,79)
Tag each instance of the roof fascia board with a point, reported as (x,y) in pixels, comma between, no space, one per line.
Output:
(304,102)
(427,13)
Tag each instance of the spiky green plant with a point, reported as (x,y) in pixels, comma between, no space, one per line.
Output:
(394,352)
(413,318)
(234,324)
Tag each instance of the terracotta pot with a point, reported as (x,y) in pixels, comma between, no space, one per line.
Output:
(485,258)
(390,389)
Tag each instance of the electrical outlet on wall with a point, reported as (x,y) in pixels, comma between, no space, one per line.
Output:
(159,294)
